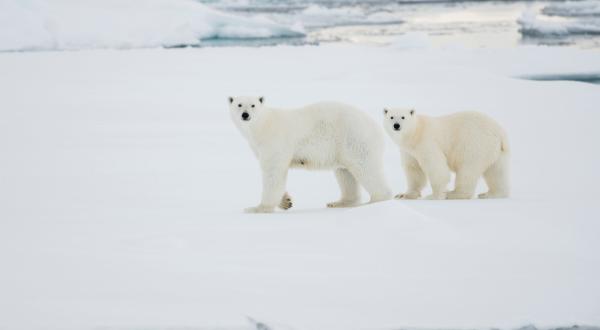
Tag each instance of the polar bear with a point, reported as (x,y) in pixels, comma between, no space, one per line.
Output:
(468,143)
(324,135)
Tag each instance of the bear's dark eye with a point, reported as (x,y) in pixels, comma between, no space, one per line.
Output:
(392,117)
(253,105)
(402,117)
(239,105)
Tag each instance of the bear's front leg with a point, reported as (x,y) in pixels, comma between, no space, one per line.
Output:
(436,168)
(414,176)
(274,178)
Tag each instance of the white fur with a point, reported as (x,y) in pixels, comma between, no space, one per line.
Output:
(467,143)
(324,135)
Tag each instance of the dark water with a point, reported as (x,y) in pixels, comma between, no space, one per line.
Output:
(592,78)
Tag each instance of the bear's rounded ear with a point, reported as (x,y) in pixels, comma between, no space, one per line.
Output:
(261,99)
(412,112)
(385,111)
(230,99)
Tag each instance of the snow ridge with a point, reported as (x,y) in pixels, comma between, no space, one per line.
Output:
(86,24)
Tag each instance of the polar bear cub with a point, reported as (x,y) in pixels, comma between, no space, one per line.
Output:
(324,135)
(469,144)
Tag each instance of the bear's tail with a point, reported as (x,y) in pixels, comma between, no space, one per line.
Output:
(504,147)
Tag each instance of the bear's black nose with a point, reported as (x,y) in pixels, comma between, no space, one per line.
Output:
(397,126)
(245,116)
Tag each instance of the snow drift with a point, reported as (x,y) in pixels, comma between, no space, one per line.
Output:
(69,24)
(534,25)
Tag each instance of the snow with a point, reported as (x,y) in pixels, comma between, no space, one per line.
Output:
(123,183)
(84,24)
(411,40)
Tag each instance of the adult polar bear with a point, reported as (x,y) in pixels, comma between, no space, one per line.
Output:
(324,135)
(467,143)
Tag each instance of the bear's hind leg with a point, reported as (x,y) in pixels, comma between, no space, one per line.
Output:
(496,178)
(349,187)
(465,184)
(372,179)
(286,202)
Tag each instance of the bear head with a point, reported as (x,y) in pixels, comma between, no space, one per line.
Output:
(399,121)
(245,110)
